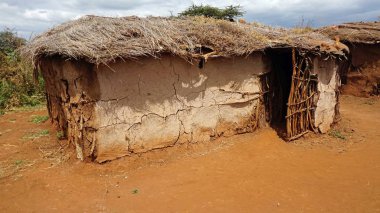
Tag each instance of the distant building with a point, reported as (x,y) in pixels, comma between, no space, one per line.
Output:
(362,74)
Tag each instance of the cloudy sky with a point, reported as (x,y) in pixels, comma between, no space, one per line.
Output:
(30,17)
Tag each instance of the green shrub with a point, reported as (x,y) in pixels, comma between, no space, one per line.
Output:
(17,87)
(228,13)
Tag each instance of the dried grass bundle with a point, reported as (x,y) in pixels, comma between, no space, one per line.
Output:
(103,39)
(359,32)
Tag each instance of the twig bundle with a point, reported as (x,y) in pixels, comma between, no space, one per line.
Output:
(300,110)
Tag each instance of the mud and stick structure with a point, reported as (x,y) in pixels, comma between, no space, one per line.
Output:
(361,77)
(132,85)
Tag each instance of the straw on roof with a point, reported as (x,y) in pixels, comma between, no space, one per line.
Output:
(104,39)
(358,32)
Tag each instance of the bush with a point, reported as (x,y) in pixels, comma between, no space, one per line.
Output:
(9,41)
(228,13)
(17,87)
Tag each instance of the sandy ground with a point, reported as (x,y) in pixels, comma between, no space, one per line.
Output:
(336,172)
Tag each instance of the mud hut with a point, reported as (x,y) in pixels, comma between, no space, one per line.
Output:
(120,86)
(362,74)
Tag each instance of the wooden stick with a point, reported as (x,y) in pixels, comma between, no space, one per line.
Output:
(298,136)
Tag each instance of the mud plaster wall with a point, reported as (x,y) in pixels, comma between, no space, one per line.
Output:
(364,54)
(327,101)
(150,104)
(71,91)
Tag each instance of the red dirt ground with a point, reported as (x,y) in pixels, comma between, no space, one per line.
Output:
(337,172)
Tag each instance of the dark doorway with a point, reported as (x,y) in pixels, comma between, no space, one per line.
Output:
(280,80)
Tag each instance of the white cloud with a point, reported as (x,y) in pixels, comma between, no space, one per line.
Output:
(35,16)
(40,15)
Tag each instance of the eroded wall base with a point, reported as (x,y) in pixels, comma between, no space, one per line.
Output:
(71,91)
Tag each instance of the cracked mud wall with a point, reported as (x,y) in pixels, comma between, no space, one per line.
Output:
(71,91)
(155,103)
(327,104)
(138,106)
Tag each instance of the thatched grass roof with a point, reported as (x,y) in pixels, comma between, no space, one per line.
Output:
(104,39)
(358,32)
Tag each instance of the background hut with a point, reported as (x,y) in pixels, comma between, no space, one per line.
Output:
(119,86)
(362,75)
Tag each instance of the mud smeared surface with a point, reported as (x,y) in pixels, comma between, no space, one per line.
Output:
(363,82)
(132,107)
(335,172)
(363,77)
(158,103)
(328,84)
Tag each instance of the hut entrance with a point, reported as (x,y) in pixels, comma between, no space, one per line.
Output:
(292,90)
(279,88)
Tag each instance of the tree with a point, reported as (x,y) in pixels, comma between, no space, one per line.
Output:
(9,41)
(231,12)
(228,13)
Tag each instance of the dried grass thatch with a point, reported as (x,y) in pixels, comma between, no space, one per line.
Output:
(359,32)
(104,39)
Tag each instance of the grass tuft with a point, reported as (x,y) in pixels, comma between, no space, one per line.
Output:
(37,119)
(19,162)
(337,134)
(34,135)
(60,135)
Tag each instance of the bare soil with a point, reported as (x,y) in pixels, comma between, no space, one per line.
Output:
(259,172)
